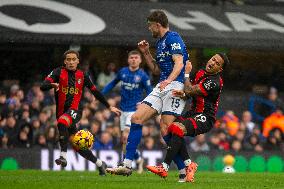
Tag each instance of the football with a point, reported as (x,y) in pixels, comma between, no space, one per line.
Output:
(82,140)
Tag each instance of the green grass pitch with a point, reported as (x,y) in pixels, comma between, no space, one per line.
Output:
(32,179)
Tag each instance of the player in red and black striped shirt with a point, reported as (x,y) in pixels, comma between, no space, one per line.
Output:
(205,91)
(69,83)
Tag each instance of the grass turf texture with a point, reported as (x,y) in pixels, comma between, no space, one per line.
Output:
(62,179)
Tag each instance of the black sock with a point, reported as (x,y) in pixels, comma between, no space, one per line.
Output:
(63,137)
(87,154)
(183,151)
(173,148)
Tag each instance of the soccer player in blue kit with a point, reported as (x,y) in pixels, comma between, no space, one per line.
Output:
(133,83)
(171,56)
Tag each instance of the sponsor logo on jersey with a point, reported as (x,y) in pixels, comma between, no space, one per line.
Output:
(209,84)
(137,78)
(175,46)
(70,90)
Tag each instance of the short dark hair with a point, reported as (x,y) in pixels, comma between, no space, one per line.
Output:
(225,59)
(71,52)
(160,17)
(136,52)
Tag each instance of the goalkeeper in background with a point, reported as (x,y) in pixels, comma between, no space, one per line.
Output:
(133,81)
(69,83)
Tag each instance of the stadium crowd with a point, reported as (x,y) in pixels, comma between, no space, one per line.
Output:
(28,121)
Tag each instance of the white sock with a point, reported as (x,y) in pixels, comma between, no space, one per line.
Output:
(127,163)
(63,154)
(99,162)
(166,166)
(187,162)
(182,171)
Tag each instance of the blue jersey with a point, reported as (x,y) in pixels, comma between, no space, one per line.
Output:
(170,44)
(132,85)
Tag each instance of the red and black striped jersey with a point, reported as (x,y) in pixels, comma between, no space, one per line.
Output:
(71,89)
(211,87)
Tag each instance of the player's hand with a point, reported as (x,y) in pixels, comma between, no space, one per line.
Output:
(55,86)
(143,46)
(115,110)
(178,93)
(188,67)
(164,84)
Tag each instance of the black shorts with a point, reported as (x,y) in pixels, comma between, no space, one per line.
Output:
(196,124)
(75,116)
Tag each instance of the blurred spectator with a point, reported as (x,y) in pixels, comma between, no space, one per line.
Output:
(3,98)
(52,137)
(247,121)
(236,146)
(199,144)
(32,93)
(274,141)
(84,122)
(256,131)
(95,127)
(4,141)
(262,107)
(253,144)
(11,130)
(107,75)
(24,139)
(275,120)
(223,144)
(104,142)
(232,122)
(40,141)
(214,142)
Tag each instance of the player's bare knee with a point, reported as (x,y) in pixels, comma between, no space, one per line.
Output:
(164,131)
(136,119)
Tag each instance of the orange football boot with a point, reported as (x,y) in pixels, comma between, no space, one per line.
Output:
(190,171)
(158,170)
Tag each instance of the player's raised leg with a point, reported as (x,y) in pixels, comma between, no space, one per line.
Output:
(88,155)
(166,120)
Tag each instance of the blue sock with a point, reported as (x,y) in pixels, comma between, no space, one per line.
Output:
(177,159)
(136,155)
(133,140)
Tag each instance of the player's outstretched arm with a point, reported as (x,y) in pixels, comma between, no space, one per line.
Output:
(51,81)
(143,46)
(111,85)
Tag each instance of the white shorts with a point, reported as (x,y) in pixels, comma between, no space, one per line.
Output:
(125,120)
(164,102)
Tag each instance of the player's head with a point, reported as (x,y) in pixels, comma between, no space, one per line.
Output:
(157,21)
(134,59)
(71,59)
(217,63)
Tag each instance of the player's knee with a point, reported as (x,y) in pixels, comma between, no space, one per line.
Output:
(65,120)
(136,119)
(175,130)
(164,130)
